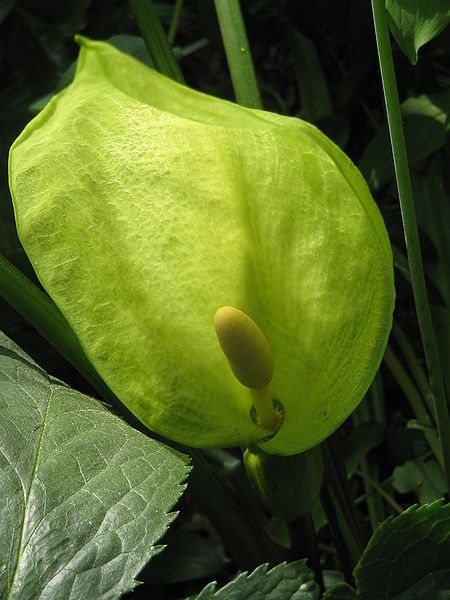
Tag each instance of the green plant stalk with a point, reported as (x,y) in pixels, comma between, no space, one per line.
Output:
(177,10)
(348,554)
(414,399)
(410,229)
(335,479)
(413,365)
(238,53)
(363,498)
(381,492)
(369,466)
(155,39)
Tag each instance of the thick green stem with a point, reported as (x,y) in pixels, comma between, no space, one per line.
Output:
(401,166)
(238,53)
(155,39)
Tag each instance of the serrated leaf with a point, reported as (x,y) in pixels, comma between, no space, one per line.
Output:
(404,551)
(341,591)
(287,581)
(426,124)
(172,204)
(84,497)
(415,22)
(407,558)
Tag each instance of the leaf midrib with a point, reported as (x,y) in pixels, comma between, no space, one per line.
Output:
(22,543)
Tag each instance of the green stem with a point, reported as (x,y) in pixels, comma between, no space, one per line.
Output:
(414,399)
(155,39)
(413,365)
(381,491)
(347,557)
(238,54)
(335,478)
(177,10)
(369,466)
(410,229)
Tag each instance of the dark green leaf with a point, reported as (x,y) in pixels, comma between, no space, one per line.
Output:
(84,496)
(434,585)
(312,85)
(416,22)
(5,8)
(433,216)
(407,558)
(423,477)
(426,124)
(341,591)
(287,581)
(405,551)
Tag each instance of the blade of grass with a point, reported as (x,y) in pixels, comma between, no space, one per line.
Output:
(380,491)
(365,413)
(403,178)
(414,365)
(336,483)
(177,10)
(155,39)
(238,54)
(414,399)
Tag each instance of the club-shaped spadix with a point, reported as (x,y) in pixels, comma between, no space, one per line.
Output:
(145,206)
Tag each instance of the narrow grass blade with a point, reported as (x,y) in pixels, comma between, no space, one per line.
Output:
(391,98)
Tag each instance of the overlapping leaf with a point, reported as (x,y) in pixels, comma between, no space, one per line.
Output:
(407,558)
(83,496)
(287,581)
(416,22)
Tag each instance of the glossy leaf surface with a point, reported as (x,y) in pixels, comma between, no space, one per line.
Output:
(408,557)
(416,22)
(287,581)
(84,496)
(145,206)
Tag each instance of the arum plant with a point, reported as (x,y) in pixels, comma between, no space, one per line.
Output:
(146,207)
